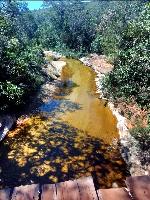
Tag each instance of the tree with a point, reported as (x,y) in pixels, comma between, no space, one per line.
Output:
(131,75)
(20,68)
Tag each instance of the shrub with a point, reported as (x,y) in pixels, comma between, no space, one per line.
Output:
(142,136)
(20,72)
(131,75)
(21,58)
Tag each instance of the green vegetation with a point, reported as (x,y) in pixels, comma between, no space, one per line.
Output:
(142,136)
(21,58)
(117,29)
(79,28)
(130,78)
(131,75)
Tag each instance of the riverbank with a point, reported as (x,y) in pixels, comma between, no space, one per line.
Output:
(52,70)
(57,142)
(129,146)
(39,140)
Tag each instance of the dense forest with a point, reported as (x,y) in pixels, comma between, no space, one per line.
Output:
(118,29)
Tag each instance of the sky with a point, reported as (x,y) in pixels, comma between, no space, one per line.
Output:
(37,4)
(34,4)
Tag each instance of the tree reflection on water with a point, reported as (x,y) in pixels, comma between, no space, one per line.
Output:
(47,149)
(48,152)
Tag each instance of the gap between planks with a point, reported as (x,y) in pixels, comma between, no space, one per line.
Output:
(80,189)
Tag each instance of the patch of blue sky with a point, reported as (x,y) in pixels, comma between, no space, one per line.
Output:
(34,5)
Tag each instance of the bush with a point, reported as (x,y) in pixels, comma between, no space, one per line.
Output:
(21,58)
(20,73)
(131,75)
(142,136)
(10,95)
(114,17)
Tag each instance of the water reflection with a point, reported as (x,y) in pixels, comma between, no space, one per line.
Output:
(57,144)
(49,152)
(59,106)
(95,117)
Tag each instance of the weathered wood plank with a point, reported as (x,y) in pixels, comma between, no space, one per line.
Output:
(48,192)
(113,194)
(5,194)
(68,190)
(139,187)
(28,192)
(87,189)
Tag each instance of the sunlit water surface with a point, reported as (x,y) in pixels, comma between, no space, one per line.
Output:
(70,136)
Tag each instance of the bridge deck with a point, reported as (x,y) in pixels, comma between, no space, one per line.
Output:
(80,189)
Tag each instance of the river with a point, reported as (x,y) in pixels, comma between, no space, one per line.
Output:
(70,136)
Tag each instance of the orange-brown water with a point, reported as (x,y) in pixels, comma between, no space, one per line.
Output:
(69,136)
(93,117)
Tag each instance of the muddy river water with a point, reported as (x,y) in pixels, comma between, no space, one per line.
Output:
(70,136)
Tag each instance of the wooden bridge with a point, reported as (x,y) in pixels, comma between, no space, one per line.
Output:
(138,188)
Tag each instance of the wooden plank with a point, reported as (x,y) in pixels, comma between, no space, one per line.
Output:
(4,194)
(87,189)
(139,187)
(28,192)
(48,192)
(68,190)
(113,194)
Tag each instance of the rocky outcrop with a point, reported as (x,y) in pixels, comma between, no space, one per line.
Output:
(128,145)
(98,62)
(54,66)
(57,66)
(53,70)
(6,122)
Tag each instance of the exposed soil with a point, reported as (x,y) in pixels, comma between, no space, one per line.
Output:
(133,113)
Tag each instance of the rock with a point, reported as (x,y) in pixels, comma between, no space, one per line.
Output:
(6,122)
(54,55)
(58,65)
(54,68)
(114,185)
(86,61)
(98,62)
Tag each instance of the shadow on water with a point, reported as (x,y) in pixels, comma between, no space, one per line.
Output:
(59,106)
(48,149)
(58,153)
